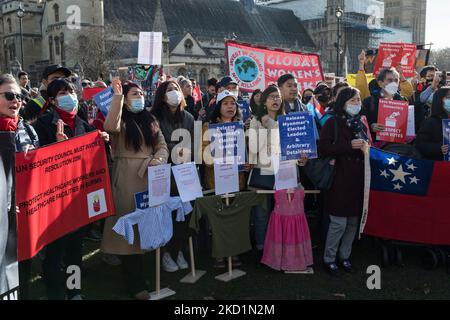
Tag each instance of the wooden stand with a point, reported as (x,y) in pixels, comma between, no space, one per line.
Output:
(160,293)
(231,274)
(195,275)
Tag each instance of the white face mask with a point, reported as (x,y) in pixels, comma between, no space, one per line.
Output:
(174,98)
(391,88)
(353,109)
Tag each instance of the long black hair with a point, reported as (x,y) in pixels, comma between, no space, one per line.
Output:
(254,107)
(345,95)
(160,108)
(437,107)
(265,95)
(138,126)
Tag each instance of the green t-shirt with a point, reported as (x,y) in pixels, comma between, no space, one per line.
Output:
(229,224)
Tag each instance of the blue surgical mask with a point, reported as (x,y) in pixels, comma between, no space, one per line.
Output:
(137,105)
(447,105)
(353,110)
(68,102)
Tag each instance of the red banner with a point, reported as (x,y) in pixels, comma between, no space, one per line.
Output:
(393,115)
(396,54)
(60,188)
(256,67)
(89,93)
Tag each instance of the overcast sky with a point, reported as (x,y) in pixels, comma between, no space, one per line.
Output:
(438,23)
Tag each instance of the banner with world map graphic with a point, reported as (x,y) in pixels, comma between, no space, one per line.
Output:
(257,67)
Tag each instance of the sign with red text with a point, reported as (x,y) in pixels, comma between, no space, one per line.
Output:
(64,186)
(256,67)
(393,115)
(394,55)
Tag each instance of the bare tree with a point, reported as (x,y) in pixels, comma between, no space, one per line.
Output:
(95,49)
(441,59)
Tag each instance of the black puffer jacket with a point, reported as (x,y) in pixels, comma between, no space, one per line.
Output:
(25,135)
(430,138)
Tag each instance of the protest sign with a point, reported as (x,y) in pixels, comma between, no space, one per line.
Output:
(286,175)
(446,134)
(351,78)
(103,100)
(67,187)
(228,142)
(150,48)
(245,109)
(158,184)
(396,54)
(188,183)
(297,136)
(393,115)
(9,269)
(89,93)
(257,67)
(422,58)
(226,178)
(141,200)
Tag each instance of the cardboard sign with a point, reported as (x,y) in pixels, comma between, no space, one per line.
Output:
(297,136)
(257,67)
(150,48)
(158,184)
(188,182)
(394,115)
(446,134)
(396,54)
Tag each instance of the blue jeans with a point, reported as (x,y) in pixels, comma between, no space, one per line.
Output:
(260,220)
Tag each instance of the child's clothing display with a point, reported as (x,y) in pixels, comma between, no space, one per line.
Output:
(154,224)
(288,243)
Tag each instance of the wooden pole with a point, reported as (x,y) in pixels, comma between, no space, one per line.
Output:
(158,271)
(191,253)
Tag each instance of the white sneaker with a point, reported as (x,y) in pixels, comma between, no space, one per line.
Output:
(181,262)
(168,264)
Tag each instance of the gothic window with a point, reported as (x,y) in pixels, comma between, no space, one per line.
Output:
(63,55)
(188,46)
(56,11)
(9,25)
(203,77)
(50,47)
(57,47)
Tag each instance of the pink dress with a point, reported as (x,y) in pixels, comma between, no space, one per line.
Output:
(288,243)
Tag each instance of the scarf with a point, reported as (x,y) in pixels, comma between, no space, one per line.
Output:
(8,124)
(68,118)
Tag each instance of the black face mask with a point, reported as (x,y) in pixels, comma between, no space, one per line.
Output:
(429,81)
(306,100)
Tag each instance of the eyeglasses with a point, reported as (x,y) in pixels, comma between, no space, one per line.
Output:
(10,96)
(275,97)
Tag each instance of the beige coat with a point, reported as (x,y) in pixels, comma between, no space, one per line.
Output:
(129,177)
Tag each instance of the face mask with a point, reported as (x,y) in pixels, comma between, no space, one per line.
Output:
(391,88)
(174,98)
(67,102)
(353,110)
(447,105)
(137,105)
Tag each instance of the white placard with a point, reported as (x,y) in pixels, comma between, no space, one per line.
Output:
(286,176)
(411,129)
(226,178)
(150,48)
(187,180)
(158,184)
